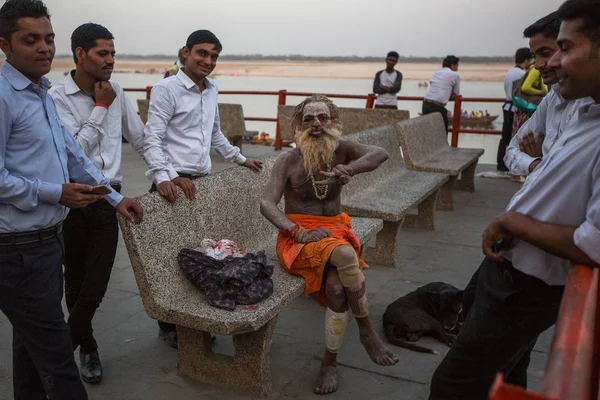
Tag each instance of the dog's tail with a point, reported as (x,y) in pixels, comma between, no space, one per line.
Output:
(390,333)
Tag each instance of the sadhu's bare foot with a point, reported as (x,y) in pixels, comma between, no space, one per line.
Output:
(376,349)
(328,381)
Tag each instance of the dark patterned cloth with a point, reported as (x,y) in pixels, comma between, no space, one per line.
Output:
(241,280)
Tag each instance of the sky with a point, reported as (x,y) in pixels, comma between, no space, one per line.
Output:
(309,27)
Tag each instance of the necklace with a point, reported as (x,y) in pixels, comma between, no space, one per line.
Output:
(320,193)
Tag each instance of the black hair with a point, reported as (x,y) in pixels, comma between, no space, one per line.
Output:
(85,36)
(203,36)
(450,60)
(393,54)
(13,10)
(522,55)
(588,10)
(547,26)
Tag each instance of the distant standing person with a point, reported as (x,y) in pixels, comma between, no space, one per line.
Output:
(177,66)
(97,113)
(388,83)
(183,126)
(444,86)
(523,58)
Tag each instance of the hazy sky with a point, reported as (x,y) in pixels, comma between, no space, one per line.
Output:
(309,27)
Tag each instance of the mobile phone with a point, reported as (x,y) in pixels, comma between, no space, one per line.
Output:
(100,189)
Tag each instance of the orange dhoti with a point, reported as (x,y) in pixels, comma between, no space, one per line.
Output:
(309,260)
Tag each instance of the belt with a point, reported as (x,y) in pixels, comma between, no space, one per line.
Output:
(15,238)
(191,176)
(437,103)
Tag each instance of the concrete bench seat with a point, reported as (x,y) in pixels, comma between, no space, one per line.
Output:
(425,148)
(226,207)
(389,193)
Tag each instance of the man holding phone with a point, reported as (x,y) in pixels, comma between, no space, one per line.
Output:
(98,113)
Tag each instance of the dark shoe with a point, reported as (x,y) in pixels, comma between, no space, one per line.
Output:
(170,338)
(91,368)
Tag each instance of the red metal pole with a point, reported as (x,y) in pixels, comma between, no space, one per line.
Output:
(281,101)
(370,100)
(456,120)
(148,90)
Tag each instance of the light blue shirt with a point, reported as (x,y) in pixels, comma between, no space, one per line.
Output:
(565,190)
(37,156)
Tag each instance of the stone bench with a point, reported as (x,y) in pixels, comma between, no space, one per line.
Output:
(226,207)
(233,124)
(389,193)
(353,119)
(425,147)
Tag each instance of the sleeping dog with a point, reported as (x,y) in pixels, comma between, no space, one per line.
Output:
(431,310)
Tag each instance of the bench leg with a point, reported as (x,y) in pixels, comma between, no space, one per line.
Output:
(248,369)
(445,200)
(426,217)
(466,183)
(385,251)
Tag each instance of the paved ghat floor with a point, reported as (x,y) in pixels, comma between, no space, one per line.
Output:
(139,366)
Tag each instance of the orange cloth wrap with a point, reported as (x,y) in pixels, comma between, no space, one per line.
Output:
(310,259)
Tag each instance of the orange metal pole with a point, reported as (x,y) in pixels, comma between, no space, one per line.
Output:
(278,140)
(370,100)
(456,120)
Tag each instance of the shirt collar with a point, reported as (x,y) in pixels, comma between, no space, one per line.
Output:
(20,81)
(70,85)
(588,106)
(188,83)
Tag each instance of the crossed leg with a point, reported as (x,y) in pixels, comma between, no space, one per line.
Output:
(345,288)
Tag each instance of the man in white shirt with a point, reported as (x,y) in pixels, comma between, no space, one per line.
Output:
(523,57)
(183,125)
(552,222)
(444,86)
(98,113)
(387,83)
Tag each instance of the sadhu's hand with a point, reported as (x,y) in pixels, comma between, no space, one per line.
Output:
(340,174)
(313,235)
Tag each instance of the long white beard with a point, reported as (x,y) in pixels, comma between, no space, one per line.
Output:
(318,152)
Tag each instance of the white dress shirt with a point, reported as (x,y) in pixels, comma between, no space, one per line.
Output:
(183,125)
(514,74)
(443,84)
(564,190)
(98,130)
(551,118)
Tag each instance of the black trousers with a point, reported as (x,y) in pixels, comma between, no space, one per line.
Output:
(91,235)
(430,108)
(31,288)
(507,127)
(509,310)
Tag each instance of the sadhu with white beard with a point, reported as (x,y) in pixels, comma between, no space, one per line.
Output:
(315,239)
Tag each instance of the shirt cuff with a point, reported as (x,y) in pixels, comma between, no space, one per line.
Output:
(98,114)
(172,174)
(161,177)
(587,237)
(50,192)
(239,159)
(114,198)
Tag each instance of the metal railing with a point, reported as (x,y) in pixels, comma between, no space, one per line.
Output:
(572,370)
(369,103)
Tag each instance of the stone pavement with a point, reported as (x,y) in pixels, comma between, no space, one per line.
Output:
(137,365)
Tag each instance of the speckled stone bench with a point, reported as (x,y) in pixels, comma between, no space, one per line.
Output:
(226,206)
(389,193)
(233,125)
(353,119)
(425,147)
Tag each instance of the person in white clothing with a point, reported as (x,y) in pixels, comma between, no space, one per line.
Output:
(444,86)
(97,112)
(183,125)
(523,58)
(387,83)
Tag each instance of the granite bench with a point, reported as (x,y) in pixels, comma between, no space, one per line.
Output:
(233,124)
(425,148)
(389,193)
(226,207)
(353,119)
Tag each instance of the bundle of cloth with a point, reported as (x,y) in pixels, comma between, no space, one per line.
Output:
(227,274)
